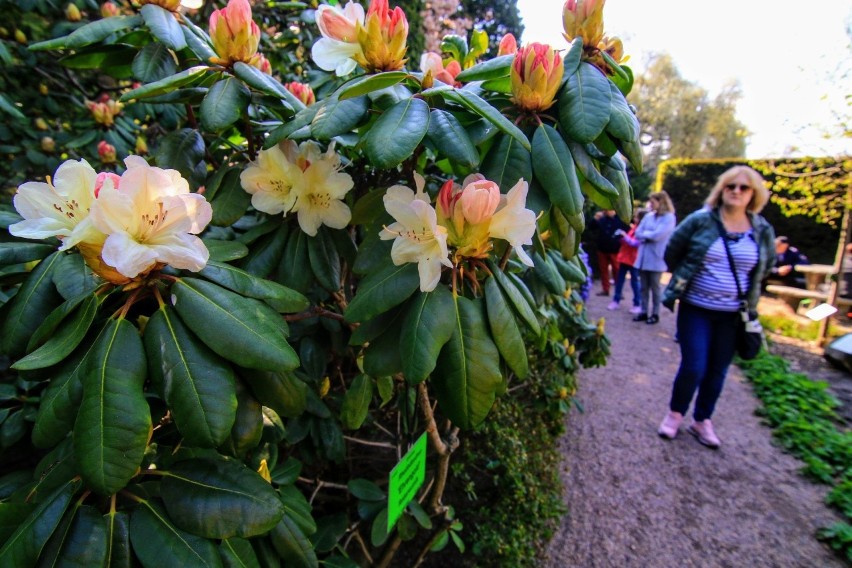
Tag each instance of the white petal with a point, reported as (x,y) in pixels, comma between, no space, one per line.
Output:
(76,180)
(271,203)
(84,232)
(333,55)
(126,255)
(309,220)
(337,216)
(40,228)
(430,274)
(114,212)
(182,251)
(525,258)
(35,200)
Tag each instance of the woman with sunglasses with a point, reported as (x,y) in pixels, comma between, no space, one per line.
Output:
(707,287)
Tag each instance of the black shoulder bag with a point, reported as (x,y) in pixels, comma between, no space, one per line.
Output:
(750,338)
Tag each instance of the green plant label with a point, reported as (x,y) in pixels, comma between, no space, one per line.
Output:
(405,479)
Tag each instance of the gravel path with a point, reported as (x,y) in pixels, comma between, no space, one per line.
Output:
(638,500)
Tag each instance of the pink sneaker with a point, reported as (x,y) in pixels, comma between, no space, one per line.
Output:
(703,432)
(669,427)
(612,306)
(636,310)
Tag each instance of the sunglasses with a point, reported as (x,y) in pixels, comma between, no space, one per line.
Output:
(741,187)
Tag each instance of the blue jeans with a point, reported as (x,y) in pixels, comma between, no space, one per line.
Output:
(706,340)
(623,269)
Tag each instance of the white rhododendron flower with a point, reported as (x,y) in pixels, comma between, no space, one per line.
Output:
(513,222)
(418,237)
(270,179)
(151,218)
(336,49)
(60,207)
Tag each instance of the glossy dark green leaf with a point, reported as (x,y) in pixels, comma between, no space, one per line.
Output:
(379,528)
(571,59)
(294,547)
(632,150)
(467,376)
(98,30)
(157,542)
(554,166)
(197,384)
(325,262)
(12,515)
(622,124)
(68,336)
(115,59)
(547,271)
(383,356)
(334,117)
(164,26)
(507,162)
(590,171)
(13,428)
(113,423)
(234,327)
(523,306)
(25,544)
(280,297)
(369,83)
(356,402)
(282,392)
(584,104)
(197,40)
(230,201)
(72,277)
(18,252)
(373,253)
(489,69)
(257,79)
(154,62)
(224,104)
(238,553)
(220,499)
(60,401)
(450,138)
(382,290)
(504,329)
(330,530)
(119,554)
(183,150)
(297,508)
(427,327)
(53,321)
(302,119)
(85,544)
(185,78)
(624,203)
(54,470)
(501,85)
(292,271)
(479,106)
(406,123)
(36,298)
(248,426)
(225,251)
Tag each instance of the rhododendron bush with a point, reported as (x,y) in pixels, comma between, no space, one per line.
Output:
(225,348)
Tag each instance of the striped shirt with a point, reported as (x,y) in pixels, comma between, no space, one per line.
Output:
(713,286)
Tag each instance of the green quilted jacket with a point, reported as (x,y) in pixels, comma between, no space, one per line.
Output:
(690,241)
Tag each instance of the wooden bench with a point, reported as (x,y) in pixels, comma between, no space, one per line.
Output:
(793,295)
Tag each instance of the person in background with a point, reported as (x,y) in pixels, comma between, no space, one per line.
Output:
(627,265)
(706,287)
(607,243)
(653,234)
(786,259)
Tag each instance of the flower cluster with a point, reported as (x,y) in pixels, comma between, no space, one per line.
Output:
(236,37)
(466,219)
(124,226)
(375,41)
(584,19)
(300,179)
(105,110)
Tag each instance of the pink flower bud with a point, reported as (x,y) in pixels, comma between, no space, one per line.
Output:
(301,91)
(508,45)
(106,152)
(583,18)
(382,38)
(234,34)
(109,9)
(536,76)
(479,201)
(103,177)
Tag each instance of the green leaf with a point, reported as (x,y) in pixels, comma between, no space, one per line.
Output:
(479,106)
(257,79)
(115,59)
(183,150)
(25,544)
(224,251)
(85,544)
(224,104)
(624,203)
(220,499)
(467,376)
(571,60)
(230,201)
(111,431)
(12,515)
(9,108)
(490,69)
(294,547)
(293,271)
(622,124)
(507,162)
(154,62)
(587,167)
(334,117)
(356,402)
(330,530)
(73,277)
(159,543)
(325,262)
(238,553)
(405,123)
(18,252)
(302,119)
(451,139)
(504,329)
(67,338)
(584,104)
(516,298)
(197,385)
(198,41)
(382,290)
(282,392)
(370,83)
(163,26)
(119,554)
(554,166)
(98,30)
(248,426)
(297,508)
(427,327)
(632,150)
(234,327)
(52,322)
(280,297)
(547,271)
(186,77)
(501,85)
(382,356)
(27,309)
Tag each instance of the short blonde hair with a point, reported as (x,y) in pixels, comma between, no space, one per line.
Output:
(666,205)
(760,193)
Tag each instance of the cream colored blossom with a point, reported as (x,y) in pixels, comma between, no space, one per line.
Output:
(513,222)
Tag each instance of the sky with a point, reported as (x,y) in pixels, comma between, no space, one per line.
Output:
(792,59)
